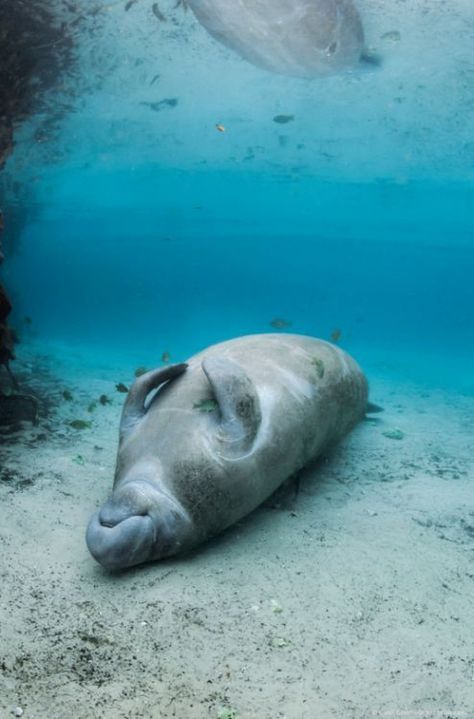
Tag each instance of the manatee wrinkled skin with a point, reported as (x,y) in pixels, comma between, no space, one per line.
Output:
(302,38)
(219,436)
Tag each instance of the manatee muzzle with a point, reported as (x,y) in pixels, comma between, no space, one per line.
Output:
(136,524)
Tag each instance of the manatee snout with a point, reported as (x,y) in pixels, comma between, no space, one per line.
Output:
(136,524)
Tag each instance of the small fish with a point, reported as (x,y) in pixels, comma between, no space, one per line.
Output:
(121,387)
(165,357)
(103,399)
(92,406)
(319,364)
(220,127)
(392,36)
(206,405)
(80,424)
(157,106)
(280,324)
(78,459)
(394,434)
(283,119)
(140,370)
(370,57)
(336,334)
(129,4)
(157,12)
(67,395)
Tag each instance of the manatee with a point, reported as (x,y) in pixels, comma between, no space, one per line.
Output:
(219,435)
(302,38)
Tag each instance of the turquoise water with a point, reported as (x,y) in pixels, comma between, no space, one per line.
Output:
(174,261)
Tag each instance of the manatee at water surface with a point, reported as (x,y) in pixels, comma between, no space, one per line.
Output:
(220,435)
(303,38)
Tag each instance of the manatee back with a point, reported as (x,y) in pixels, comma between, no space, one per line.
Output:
(309,394)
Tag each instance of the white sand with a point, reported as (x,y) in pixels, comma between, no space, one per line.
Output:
(355,602)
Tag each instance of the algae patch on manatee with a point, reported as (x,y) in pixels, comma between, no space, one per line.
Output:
(206,405)
(319,365)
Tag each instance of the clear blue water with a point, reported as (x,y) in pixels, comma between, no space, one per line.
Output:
(189,259)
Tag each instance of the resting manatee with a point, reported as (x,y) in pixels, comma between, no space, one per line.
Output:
(220,435)
(303,38)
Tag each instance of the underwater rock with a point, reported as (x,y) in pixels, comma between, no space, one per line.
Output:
(302,38)
(263,409)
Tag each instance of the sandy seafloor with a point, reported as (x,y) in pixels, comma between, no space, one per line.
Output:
(354,600)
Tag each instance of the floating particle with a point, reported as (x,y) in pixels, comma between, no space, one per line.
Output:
(336,334)
(220,127)
(165,357)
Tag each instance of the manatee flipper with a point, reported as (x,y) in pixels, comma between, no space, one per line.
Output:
(285,496)
(134,408)
(238,404)
(373,408)
(370,59)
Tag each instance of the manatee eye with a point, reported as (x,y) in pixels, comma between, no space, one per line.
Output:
(331,49)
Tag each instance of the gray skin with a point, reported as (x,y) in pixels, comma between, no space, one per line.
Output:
(302,38)
(220,435)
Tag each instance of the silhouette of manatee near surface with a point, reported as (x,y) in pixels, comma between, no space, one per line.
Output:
(303,38)
(220,434)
